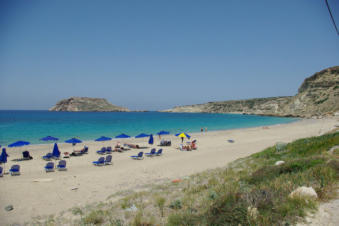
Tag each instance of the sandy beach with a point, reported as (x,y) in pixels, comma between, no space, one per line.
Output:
(84,183)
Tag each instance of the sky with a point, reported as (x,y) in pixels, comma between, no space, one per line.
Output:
(156,54)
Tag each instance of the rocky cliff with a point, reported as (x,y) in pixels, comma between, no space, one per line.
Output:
(317,96)
(86,104)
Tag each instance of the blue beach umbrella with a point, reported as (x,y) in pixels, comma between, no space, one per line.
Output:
(19,144)
(73,141)
(122,136)
(162,132)
(103,138)
(151,141)
(49,138)
(142,135)
(56,151)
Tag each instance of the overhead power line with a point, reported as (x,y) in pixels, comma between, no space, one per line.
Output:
(333,21)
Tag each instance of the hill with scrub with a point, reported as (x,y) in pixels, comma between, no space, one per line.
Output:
(317,96)
(87,104)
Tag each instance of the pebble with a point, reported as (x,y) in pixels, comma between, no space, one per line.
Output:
(9,208)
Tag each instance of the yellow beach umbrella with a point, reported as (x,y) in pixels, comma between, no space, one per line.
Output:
(182,135)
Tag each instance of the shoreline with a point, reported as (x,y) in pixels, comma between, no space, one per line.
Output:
(54,191)
(210,129)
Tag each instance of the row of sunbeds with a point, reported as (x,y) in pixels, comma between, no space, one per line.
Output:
(61,166)
(102,161)
(153,153)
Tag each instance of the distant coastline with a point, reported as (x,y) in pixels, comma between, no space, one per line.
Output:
(316,97)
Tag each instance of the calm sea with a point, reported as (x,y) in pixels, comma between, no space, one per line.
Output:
(33,125)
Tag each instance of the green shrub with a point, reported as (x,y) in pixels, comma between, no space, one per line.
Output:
(160,202)
(95,217)
(176,204)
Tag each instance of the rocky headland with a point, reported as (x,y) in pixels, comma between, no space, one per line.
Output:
(317,96)
(87,104)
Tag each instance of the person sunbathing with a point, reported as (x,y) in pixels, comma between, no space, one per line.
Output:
(132,145)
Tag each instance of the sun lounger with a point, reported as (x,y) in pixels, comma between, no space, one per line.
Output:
(47,157)
(108,160)
(61,165)
(49,167)
(84,150)
(102,151)
(1,171)
(159,152)
(15,170)
(56,157)
(100,162)
(66,155)
(139,156)
(109,150)
(151,154)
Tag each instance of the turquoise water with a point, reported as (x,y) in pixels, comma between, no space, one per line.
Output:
(33,125)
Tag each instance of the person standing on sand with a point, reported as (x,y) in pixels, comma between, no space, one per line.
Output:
(205,129)
(182,139)
(202,130)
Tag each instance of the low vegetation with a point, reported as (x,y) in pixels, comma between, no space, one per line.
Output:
(249,191)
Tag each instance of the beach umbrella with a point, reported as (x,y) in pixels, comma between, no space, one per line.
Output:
(122,136)
(56,151)
(151,141)
(162,132)
(3,157)
(142,135)
(19,144)
(73,141)
(183,135)
(103,138)
(49,138)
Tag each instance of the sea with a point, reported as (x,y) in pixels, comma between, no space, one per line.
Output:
(31,126)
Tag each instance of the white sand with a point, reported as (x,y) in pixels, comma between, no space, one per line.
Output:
(35,192)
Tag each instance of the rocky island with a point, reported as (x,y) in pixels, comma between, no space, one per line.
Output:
(317,96)
(87,104)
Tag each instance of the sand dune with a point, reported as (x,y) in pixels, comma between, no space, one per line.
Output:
(35,192)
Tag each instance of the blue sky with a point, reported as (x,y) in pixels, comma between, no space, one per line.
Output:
(158,54)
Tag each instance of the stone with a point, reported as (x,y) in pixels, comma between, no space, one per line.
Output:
(304,192)
(9,208)
(133,208)
(252,212)
(278,163)
(333,149)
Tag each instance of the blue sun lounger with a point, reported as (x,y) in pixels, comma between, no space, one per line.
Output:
(139,156)
(108,160)
(61,165)
(109,150)
(49,167)
(102,151)
(100,162)
(159,152)
(15,170)
(47,157)
(151,154)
